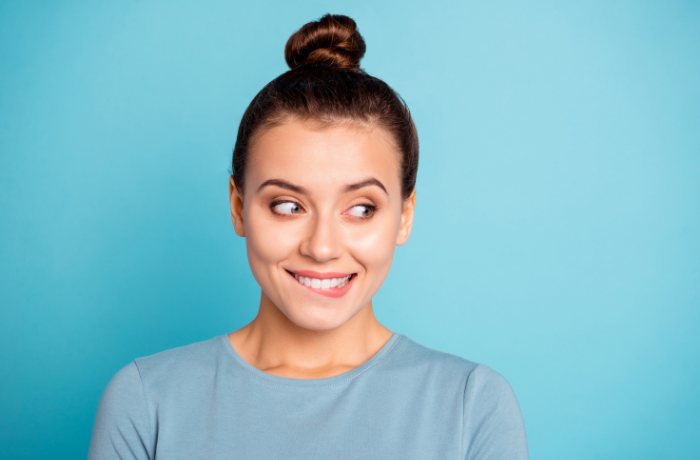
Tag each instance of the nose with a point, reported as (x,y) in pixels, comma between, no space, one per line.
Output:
(322,242)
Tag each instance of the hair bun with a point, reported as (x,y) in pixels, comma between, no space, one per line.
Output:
(332,40)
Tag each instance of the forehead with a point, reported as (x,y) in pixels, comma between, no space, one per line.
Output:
(324,157)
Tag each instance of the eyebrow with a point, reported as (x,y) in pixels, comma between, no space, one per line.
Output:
(365,183)
(283,184)
(348,188)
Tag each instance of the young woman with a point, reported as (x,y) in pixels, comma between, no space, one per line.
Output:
(324,170)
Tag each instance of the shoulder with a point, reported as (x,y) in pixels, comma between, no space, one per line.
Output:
(482,387)
(125,421)
(124,385)
(412,354)
(162,371)
(176,364)
(488,383)
(122,426)
(492,424)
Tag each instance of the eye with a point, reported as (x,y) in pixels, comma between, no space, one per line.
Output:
(287,207)
(361,210)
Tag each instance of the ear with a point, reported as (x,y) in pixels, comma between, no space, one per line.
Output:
(236,207)
(409,206)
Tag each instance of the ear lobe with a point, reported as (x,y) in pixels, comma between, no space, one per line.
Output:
(409,206)
(236,201)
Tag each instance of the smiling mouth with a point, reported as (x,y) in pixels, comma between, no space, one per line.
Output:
(324,284)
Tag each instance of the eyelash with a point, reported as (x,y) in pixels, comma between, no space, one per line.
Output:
(371,207)
(278,202)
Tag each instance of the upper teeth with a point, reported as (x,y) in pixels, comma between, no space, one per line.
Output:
(324,283)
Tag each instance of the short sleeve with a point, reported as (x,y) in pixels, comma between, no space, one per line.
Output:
(493,423)
(121,430)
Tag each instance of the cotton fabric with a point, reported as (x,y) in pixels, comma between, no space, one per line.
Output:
(203,401)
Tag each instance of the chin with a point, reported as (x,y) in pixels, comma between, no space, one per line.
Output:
(317,320)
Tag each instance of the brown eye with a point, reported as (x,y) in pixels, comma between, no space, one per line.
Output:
(361,210)
(288,207)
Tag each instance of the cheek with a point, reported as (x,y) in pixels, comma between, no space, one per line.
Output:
(374,246)
(268,241)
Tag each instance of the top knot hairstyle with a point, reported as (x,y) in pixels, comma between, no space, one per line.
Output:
(327,85)
(332,40)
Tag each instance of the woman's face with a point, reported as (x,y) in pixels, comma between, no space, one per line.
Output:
(321,212)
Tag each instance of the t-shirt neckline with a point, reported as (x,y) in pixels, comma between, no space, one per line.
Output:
(309,383)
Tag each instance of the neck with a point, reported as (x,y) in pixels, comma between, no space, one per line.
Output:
(274,344)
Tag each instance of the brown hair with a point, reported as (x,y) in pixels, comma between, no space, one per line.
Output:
(326,84)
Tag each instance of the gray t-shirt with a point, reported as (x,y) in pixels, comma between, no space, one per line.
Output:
(203,401)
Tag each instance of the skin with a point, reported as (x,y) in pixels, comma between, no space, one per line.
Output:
(321,226)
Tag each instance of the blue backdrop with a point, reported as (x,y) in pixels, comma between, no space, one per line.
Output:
(556,235)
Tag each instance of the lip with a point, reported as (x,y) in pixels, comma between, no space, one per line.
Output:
(333,292)
(317,275)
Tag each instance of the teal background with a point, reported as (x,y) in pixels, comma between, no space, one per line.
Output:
(556,235)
